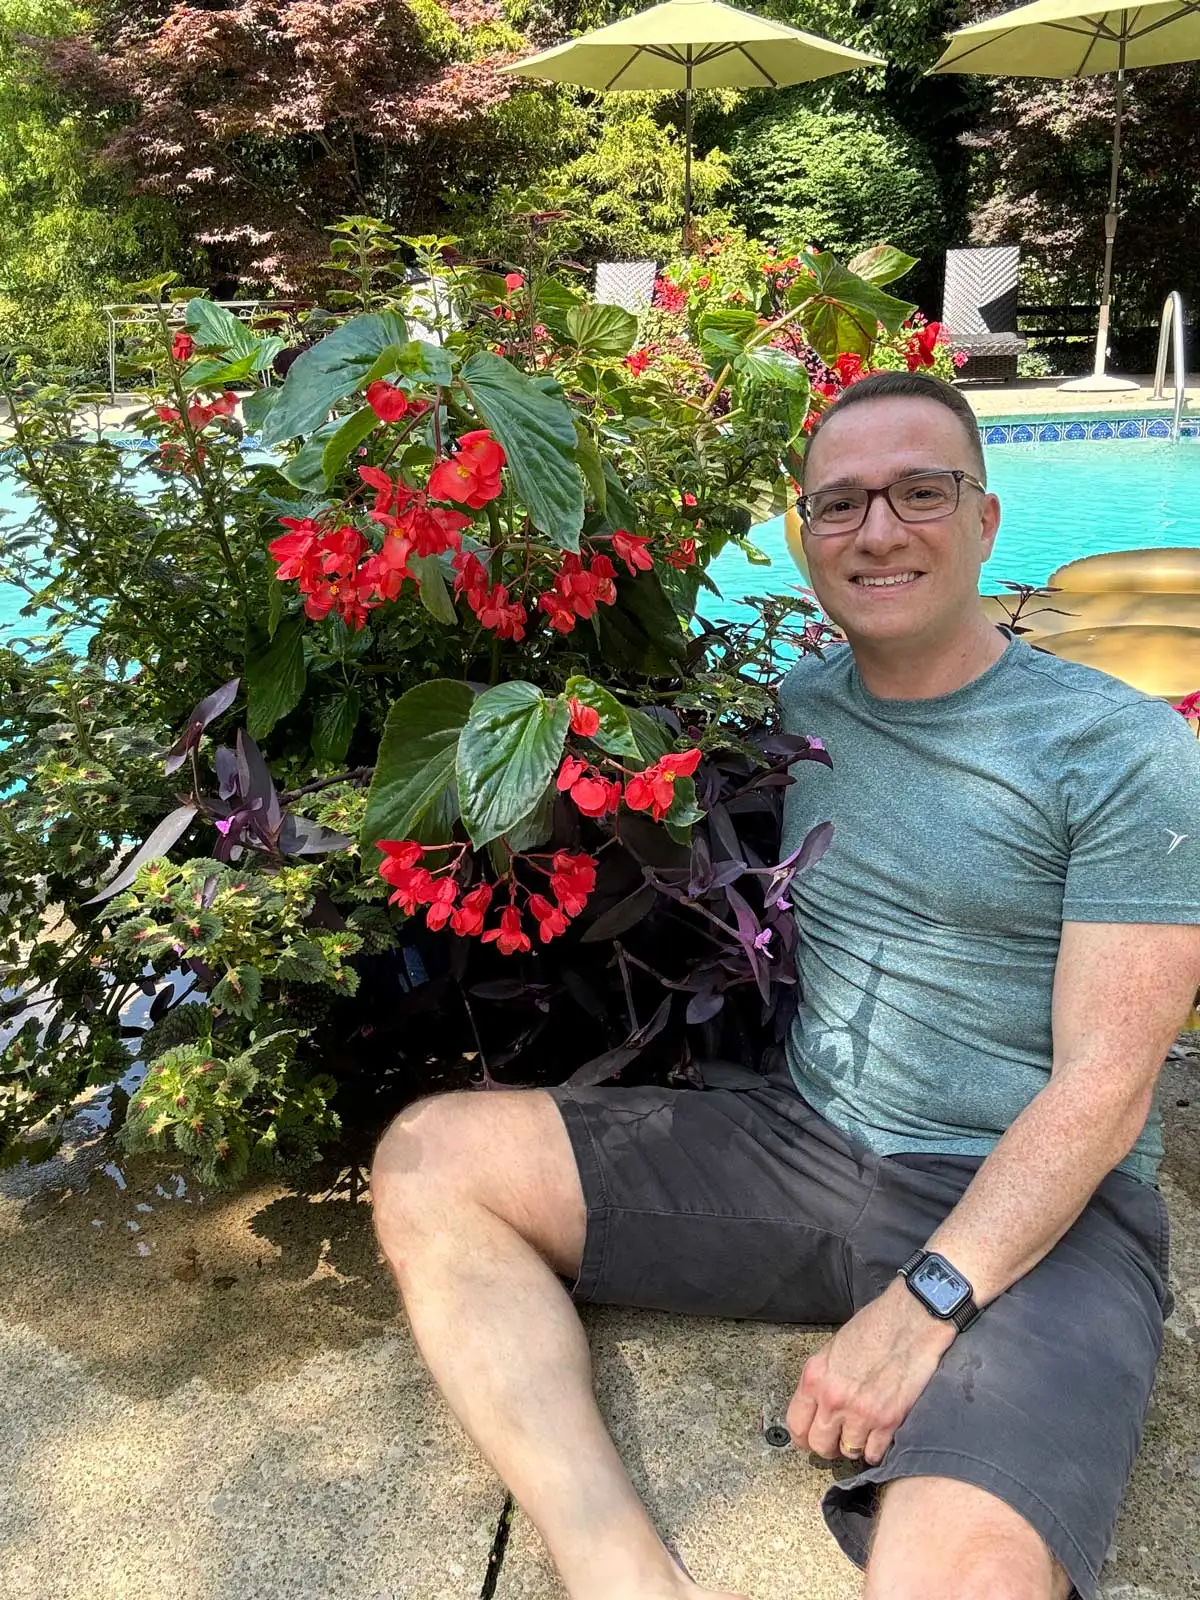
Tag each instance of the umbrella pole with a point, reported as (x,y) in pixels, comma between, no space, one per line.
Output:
(687,153)
(1098,379)
(1110,224)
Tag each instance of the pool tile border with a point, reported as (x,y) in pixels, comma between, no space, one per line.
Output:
(1073,430)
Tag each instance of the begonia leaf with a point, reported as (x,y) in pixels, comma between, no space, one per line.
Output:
(537,430)
(614,735)
(275,679)
(508,754)
(329,371)
(415,765)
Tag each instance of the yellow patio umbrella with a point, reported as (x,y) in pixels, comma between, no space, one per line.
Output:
(692,44)
(1075,39)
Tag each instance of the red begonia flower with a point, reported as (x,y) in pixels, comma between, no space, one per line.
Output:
(570,772)
(472,475)
(550,920)
(468,919)
(585,720)
(441,904)
(181,347)
(509,937)
(400,853)
(572,881)
(631,549)
(1189,706)
(387,402)
(513,280)
(593,796)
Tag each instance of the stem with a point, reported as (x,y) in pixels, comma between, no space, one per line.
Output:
(355,775)
(633,1021)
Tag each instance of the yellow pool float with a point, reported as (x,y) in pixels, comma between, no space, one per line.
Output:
(1132,613)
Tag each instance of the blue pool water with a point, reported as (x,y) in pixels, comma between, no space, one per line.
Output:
(1059,502)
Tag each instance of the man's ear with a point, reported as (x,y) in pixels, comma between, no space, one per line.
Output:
(989,516)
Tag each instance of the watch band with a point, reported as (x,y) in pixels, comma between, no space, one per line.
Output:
(963,1316)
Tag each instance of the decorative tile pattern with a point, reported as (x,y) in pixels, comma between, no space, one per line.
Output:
(1090,429)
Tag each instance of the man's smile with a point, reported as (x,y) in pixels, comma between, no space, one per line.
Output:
(886,580)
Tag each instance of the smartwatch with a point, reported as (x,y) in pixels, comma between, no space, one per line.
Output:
(942,1290)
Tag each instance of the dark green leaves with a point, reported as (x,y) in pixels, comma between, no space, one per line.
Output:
(357,427)
(843,309)
(538,434)
(614,734)
(641,633)
(416,763)
(507,757)
(327,373)
(247,352)
(275,679)
(334,722)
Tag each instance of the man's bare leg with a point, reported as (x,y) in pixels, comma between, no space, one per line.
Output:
(478,1208)
(941,1539)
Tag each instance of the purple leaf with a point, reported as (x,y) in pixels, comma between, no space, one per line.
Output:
(704,1005)
(257,785)
(725,833)
(227,771)
(207,711)
(816,841)
(169,832)
(608,1065)
(161,1002)
(621,917)
(301,836)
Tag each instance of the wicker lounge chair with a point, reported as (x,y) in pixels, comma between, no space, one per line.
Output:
(979,307)
(629,284)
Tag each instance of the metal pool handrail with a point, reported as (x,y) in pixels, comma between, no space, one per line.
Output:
(1171,326)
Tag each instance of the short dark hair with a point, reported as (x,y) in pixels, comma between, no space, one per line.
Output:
(908,386)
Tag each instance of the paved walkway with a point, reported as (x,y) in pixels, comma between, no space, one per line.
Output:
(207,1397)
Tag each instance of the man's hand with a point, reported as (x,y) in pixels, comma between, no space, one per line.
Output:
(857,1390)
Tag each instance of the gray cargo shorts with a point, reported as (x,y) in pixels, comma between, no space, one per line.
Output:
(747,1203)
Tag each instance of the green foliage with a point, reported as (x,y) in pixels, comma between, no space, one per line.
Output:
(69,233)
(419,627)
(840,180)
(622,183)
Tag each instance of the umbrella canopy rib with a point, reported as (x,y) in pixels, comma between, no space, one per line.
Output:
(758,67)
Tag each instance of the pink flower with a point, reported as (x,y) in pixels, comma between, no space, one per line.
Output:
(513,281)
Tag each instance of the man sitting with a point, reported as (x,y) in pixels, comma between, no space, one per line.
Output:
(958,1166)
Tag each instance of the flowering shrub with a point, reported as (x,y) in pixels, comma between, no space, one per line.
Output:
(484,790)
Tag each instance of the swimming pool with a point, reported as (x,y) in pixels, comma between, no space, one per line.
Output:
(1059,501)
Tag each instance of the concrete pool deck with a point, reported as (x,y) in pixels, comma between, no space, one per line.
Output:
(208,1397)
(1042,397)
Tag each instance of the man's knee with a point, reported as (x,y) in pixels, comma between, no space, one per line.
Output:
(507,1154)
(939,1539)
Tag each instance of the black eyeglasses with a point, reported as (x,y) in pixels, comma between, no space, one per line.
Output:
(918,497)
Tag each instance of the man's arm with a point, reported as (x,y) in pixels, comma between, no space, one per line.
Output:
(1121,992)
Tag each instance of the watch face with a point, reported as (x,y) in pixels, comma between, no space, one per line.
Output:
(938,1282)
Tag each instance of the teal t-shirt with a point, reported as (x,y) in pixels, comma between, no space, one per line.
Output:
(967,828)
